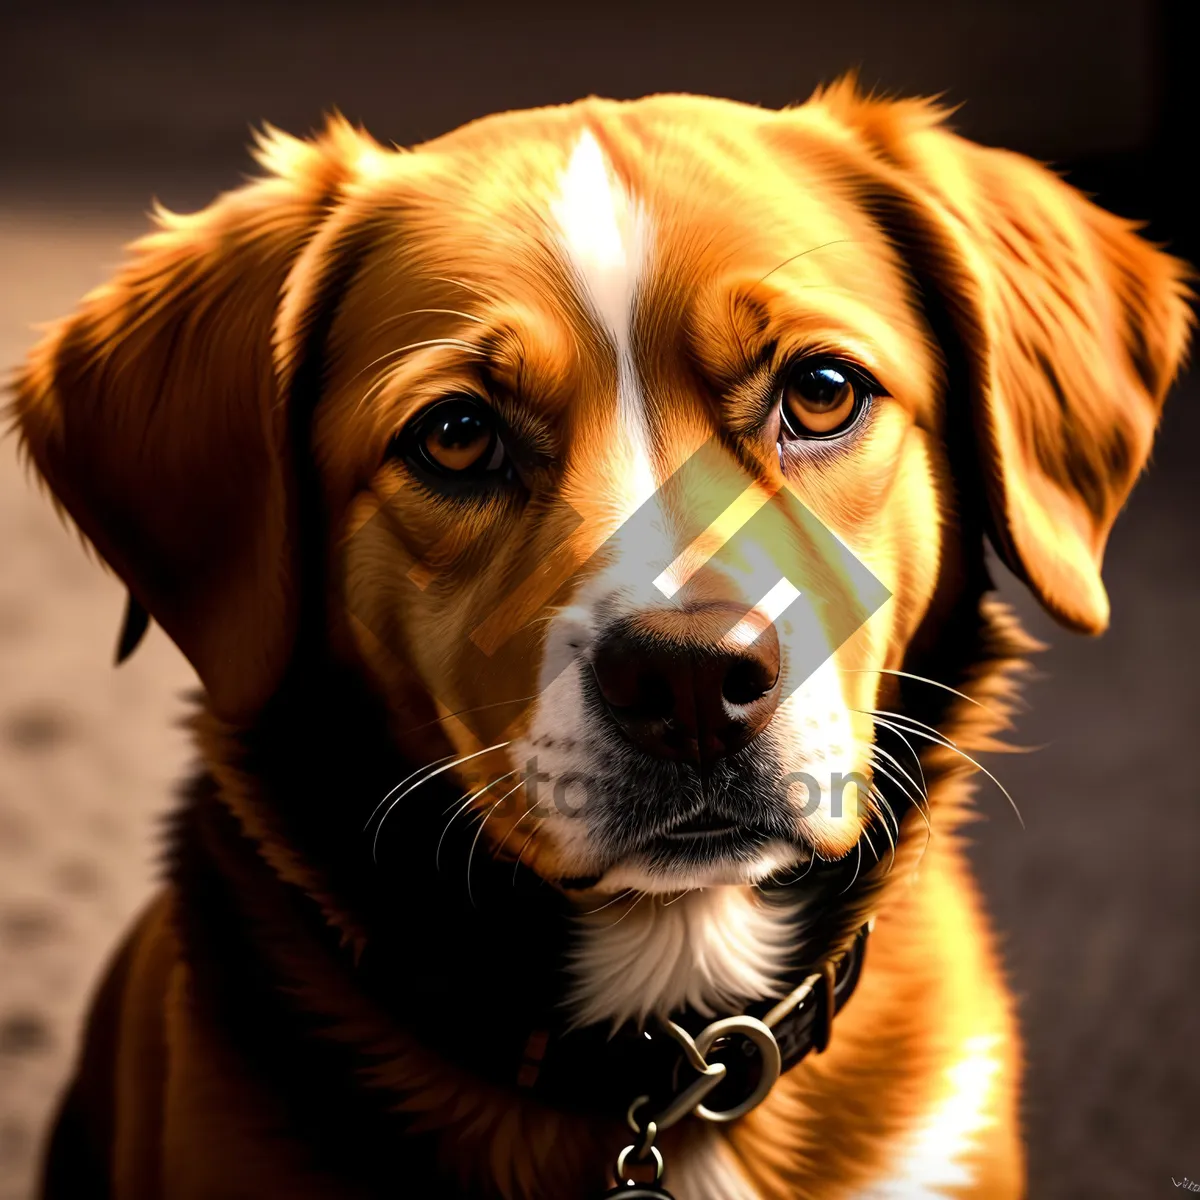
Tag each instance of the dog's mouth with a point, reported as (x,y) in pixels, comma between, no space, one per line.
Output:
(663,825)
(712,838)
(704,825)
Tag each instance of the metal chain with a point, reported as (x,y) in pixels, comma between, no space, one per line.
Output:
(642,1149)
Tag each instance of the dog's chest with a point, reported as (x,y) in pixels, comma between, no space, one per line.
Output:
(712,950)
(717,951)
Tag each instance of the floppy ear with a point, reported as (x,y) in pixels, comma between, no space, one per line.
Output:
(155,414)
(1071,326)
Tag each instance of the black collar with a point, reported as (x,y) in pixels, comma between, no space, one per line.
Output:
(659,1070)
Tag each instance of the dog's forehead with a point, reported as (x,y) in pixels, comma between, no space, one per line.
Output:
(636,227)
(590,179)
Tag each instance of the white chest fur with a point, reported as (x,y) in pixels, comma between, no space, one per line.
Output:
(712,949)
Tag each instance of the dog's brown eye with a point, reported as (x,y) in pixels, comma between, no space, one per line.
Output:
(459,441)
(822,397)
(458,437)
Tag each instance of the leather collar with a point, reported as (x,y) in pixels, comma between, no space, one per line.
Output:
(656,1070)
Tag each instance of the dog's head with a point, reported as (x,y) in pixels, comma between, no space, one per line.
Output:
(635,443)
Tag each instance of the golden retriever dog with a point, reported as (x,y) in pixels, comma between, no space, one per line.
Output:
(577,524)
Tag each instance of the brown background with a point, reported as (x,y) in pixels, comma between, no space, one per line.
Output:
(102,106)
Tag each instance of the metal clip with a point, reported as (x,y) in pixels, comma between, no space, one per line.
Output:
(691,1099)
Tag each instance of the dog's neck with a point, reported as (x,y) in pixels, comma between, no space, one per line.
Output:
(713,950)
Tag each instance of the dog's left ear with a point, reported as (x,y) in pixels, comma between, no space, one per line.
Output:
(1070,328)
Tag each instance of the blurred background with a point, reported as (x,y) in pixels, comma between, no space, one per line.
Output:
(104,106)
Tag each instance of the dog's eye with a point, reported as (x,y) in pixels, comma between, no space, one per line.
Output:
(820,398)
(458,437)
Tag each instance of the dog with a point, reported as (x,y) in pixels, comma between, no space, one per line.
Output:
(558,515)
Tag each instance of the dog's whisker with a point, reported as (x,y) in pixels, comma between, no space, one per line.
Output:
(466,712)
(803,254)
(488,784)
(379,327)
(388,356)
(479,833)
(467,287)
(928,831)
(920,812)
(458,762)
(450,312)
(524,847)
(930,734)
(608,903)
(515,825)
(398,786)
(928,827)
(630,909)
(456,804)
(915,802)
(876,795)
(924,787)
(382,382)
(945,743)
(390,374)
(867,838)
(876,751)
(462,806)
(857,868)
(912,721)
(945,687)
(808,866)
(889,810)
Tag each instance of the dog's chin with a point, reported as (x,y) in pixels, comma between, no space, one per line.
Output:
(683,862)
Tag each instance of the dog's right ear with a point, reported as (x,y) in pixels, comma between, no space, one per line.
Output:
(156,413)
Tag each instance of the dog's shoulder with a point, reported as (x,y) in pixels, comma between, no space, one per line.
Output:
(108,1122)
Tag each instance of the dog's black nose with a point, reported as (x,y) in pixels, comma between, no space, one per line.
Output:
(692,685)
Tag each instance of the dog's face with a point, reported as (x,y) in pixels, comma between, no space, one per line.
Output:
(644,441)
(634,367)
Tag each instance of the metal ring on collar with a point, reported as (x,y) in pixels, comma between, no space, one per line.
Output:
(763,1041)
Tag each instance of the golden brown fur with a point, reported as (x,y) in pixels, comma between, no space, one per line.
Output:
(1027,340)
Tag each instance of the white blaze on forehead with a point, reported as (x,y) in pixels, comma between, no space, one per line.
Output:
(604,235)
(601,231)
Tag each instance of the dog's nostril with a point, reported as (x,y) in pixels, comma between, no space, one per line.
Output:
(656,697)
(748,680)
(629,687)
